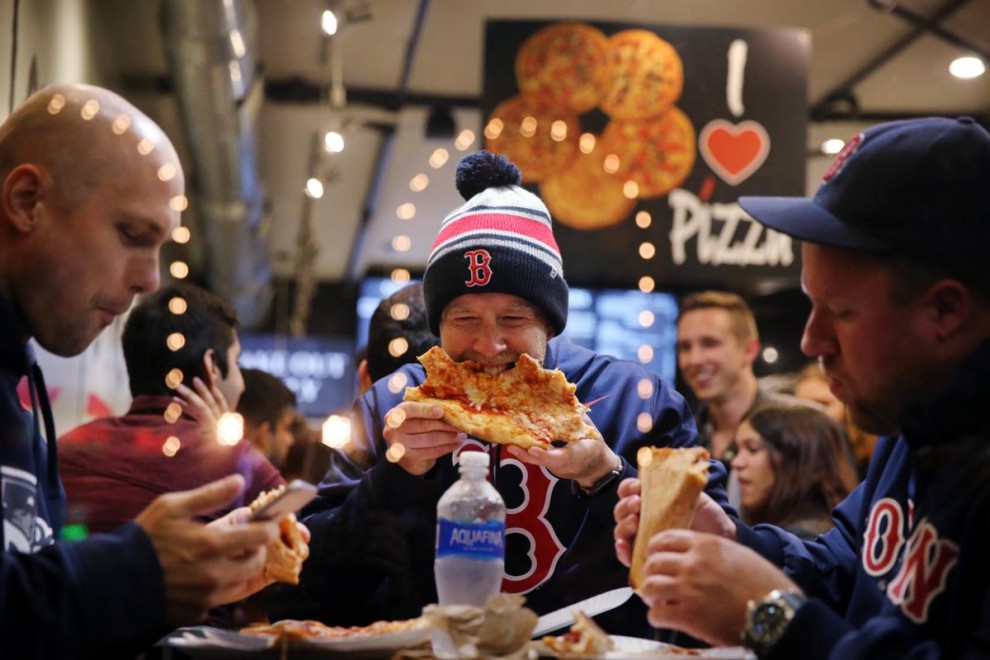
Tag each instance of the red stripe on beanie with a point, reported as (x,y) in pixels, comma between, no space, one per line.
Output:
(507,222)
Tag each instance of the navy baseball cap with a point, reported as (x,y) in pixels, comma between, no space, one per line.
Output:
(920,187)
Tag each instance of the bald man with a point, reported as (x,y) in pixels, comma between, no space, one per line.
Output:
(90,189)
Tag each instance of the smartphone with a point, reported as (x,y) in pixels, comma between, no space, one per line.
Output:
(296,495)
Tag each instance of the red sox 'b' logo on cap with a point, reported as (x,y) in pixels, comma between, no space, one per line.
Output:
(848,150)
(479,272)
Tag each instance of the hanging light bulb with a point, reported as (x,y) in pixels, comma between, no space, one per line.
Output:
(333,142)
(314,188)
(329,22)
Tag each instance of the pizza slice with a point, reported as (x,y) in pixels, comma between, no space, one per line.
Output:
(527,405)
(310,630)
(671,481)
(584,638)
(286,554)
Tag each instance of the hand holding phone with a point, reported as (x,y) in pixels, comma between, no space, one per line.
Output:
(296,495)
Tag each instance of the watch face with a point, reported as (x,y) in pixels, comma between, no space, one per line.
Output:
(768,619)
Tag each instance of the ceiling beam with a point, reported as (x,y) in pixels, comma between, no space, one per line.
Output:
(843,95)
(932,25)
(384,152)
(300,90)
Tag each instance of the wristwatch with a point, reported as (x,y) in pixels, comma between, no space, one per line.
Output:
(768,618)
(601,484)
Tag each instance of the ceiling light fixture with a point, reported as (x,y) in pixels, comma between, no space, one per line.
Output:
(440,123)
(329,22)
(832,146)
(967,67)
(333,142)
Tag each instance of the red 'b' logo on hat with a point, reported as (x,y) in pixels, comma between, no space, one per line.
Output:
(479,270)
(848,150)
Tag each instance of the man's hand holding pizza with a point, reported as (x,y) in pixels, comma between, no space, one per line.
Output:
(708,517)
(417,436)
(527,408)
(586,461)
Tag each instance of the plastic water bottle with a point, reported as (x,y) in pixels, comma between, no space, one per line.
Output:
(470,556)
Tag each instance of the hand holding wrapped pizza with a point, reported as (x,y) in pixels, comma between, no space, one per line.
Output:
(672,479)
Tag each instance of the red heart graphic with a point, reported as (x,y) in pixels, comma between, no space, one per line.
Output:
(734,152)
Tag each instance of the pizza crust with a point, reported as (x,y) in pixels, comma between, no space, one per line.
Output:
(672,479)
(527,405)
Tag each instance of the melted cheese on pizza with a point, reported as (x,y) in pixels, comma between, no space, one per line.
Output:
(527,405)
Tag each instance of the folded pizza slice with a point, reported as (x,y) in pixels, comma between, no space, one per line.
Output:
(527,405)
(671,480)
(286,554)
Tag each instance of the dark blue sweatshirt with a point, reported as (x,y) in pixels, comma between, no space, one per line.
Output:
(103,597)
(906,571)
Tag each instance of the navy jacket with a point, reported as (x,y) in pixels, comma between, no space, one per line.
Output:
(375,531)
(103,597)
(906,571)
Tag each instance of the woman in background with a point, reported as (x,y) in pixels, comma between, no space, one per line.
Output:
(794,465)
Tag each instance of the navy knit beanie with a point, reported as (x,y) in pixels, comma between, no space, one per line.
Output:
(499,241)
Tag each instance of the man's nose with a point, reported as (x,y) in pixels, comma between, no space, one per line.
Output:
(817,338)
(144,275)
(489,341)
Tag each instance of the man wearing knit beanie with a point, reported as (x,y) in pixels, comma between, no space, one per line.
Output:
(494,289)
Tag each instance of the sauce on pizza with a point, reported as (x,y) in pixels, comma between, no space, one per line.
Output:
(527,405)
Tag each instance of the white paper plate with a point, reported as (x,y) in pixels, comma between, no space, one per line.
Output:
(635,648)
(208,637)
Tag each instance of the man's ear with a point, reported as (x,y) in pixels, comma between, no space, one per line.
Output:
(20,196)
(364,378)
(211,372)
(950,306)
(751,347)
(261,437)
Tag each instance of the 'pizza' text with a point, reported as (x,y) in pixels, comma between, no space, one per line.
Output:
(714,228)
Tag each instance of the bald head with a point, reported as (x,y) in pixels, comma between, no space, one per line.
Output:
(84,136)
(90,190)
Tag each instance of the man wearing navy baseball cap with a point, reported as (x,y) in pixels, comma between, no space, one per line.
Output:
(894,265)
